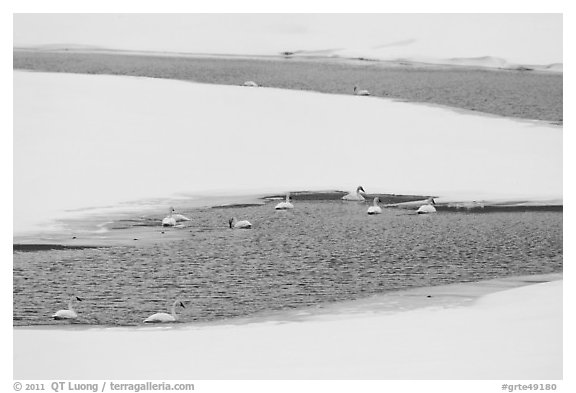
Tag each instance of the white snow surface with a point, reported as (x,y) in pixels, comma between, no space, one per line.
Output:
(510,335)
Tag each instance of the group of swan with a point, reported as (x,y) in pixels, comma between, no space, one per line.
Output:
(159,317)
(173,218)
(234,223)
(421,207)
(245,224)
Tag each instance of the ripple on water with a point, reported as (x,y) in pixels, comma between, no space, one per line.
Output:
(318,252)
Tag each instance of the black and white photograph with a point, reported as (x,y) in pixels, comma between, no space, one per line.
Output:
(287,197)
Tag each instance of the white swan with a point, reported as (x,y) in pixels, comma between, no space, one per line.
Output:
(172,218)
(67,314)
(360,92)
(424,209)
(169,220)
(413,204)
(235,224)
(375,209)
(355,196)
(250,84)
(164,317)
(286,204)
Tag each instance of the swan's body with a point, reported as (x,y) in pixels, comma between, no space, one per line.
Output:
(414,205)
(375,209)
(360,92)
(169,221)
(162,317)
(235,224)
(172,218)
(250,84)
(357,196)
(285,205)
(180,217)
(67,314)
(424,209)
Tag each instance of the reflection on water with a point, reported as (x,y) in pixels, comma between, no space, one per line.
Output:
(319,252)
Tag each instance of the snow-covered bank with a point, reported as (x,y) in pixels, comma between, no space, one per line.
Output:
(518,38)
(513,334)
(89,141)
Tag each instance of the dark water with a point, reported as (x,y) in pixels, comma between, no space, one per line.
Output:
(319,252)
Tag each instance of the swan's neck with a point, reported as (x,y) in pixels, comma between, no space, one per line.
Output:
(70,302)
(375,201)
(174,309)
(287,197)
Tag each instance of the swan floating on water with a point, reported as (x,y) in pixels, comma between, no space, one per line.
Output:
(162,317)
(355,196)
(235,224)
(169,220)
(424,209)
(360,92)
(375,209)
(413,204)
(172,218)
(250,84)
(286,204)
(67,314)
